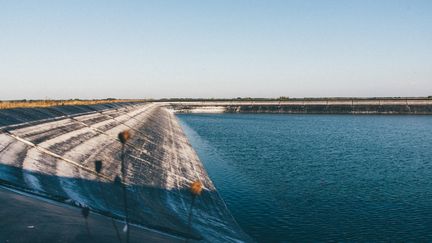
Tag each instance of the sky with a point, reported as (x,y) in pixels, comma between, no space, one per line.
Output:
(207,48)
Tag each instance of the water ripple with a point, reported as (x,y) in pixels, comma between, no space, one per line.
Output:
(315,178)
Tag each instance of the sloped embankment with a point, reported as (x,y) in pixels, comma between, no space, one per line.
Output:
(51,152)
(398,106)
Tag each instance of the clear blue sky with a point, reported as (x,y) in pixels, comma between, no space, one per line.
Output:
(139,49)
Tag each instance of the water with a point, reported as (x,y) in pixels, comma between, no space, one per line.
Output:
(291,178)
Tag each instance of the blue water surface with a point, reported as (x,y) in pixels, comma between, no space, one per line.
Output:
(309,178)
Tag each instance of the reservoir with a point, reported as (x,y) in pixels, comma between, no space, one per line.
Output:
(291,178)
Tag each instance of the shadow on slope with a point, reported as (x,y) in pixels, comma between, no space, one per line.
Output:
(147,206)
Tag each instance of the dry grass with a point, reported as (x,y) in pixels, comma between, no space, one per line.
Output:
(47,103)
(124,136)
(196,188)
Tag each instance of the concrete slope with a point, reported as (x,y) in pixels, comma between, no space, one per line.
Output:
(52,152)
(408,106)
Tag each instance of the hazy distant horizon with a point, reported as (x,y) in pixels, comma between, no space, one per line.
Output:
(220,98)
(221,49)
